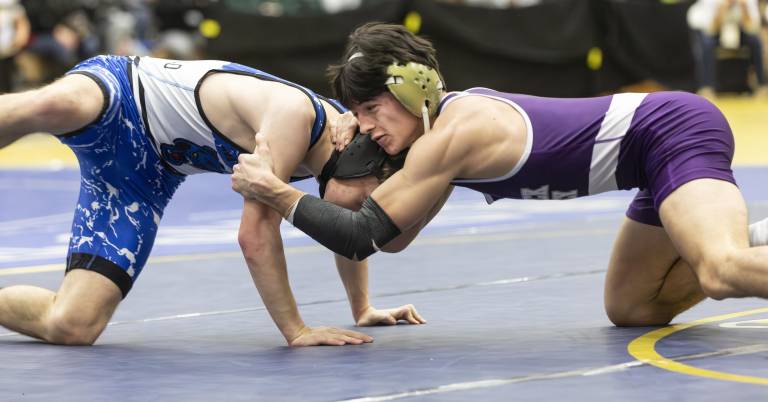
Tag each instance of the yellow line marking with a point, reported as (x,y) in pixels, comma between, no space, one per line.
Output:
(33,269)
(41,151)
(643,348)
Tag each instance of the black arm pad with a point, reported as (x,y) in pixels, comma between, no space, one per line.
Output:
(355,235)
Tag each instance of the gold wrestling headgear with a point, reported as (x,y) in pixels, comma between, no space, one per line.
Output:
(417,87)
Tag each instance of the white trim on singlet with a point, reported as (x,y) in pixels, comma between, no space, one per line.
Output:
(605,152)
(135,86)
(528,140)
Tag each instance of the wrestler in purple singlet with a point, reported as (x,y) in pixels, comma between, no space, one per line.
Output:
(576,147)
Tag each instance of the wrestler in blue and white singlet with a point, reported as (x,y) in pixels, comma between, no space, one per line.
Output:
(151,133)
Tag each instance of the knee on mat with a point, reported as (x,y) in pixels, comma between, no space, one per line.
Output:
(638,316)
(66,328)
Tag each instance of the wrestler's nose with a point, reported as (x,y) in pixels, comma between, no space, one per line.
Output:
(366,124)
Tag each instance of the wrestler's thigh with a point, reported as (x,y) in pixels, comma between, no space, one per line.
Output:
(706,219)
(66,105)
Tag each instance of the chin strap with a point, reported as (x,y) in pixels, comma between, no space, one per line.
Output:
(425,117)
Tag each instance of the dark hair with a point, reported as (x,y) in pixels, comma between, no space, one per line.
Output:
(363,78)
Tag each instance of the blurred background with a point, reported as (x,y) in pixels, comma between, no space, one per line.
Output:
(543,47)
(564,48)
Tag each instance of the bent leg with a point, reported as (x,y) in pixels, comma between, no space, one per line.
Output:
(66,105)
(706,220)
(76,315)
(647,283)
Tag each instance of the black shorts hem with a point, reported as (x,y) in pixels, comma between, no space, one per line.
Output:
(101,265)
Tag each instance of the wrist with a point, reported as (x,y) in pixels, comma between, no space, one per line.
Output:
(286,198)
(295,333)
(359,311)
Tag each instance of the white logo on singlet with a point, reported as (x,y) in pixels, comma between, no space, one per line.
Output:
(565,195)
(543,193)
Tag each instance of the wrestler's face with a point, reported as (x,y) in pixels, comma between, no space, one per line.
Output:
(388,123)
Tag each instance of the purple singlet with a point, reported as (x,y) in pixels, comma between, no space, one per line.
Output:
(576,147)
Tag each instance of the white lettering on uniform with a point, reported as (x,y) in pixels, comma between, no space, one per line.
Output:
(543,193)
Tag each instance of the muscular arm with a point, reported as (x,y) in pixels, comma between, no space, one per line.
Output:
(350,193)
(354,274)
(482,138)
(402,241)
(285,129)
(400,204)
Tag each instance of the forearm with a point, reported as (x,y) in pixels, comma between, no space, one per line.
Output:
(262,247)
(354,276)
(352,234)
(403,240)
(268,270)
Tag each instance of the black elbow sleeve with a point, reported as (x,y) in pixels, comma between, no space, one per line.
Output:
(355,235)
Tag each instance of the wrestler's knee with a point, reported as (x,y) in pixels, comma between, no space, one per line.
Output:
(68,326)
(713,273)
(638,315)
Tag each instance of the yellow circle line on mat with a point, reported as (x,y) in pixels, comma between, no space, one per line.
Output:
(643,348)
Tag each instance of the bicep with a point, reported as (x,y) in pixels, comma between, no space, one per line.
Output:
(350,193)
(404,239)
(287,131)
(410,194)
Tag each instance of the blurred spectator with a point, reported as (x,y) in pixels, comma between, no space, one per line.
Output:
(729,24)
(764,34)
(277,8)
(179,45)
(336,6)
(495,3)
(60,38)
(14,35)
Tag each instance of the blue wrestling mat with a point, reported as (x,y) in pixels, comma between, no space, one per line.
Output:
(512,293)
